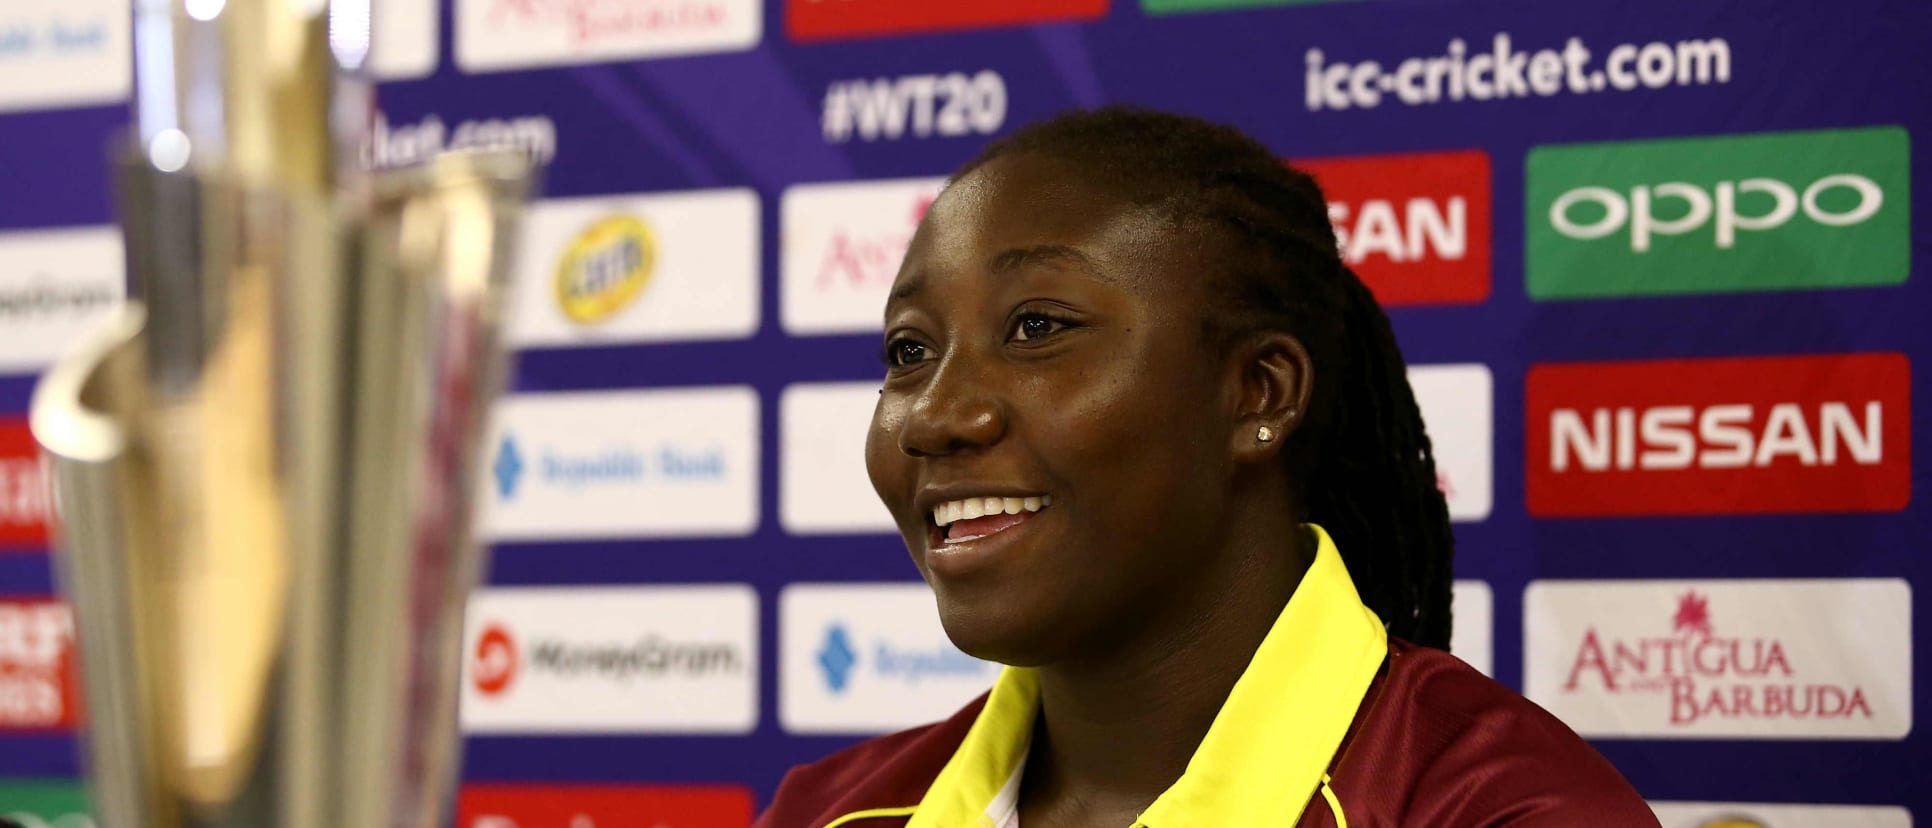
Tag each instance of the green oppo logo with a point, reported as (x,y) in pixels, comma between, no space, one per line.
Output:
(1719,215)
(45,804)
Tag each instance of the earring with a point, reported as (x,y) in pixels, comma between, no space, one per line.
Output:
(1265,434)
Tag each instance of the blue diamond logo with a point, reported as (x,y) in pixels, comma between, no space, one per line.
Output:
(836,658)
(508,467)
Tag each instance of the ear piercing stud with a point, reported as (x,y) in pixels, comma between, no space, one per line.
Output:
(1265,434)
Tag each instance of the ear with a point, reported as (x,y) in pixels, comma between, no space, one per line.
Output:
(1274,381)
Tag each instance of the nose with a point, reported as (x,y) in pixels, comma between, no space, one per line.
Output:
(955,412)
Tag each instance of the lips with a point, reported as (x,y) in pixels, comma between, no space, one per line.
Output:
(973,518)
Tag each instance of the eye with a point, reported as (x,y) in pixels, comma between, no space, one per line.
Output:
(1032,326)
(900,353)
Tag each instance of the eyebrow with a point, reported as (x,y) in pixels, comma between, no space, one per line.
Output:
(1006,261)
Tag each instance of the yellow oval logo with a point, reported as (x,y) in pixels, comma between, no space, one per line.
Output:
(605,269)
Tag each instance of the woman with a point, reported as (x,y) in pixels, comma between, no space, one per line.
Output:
(1152,444)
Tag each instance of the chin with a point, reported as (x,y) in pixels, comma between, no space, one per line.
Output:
(998,631)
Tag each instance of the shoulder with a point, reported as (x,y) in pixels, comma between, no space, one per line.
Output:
(1451,746)
(891,771)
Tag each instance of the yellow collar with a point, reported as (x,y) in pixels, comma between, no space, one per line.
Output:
(1269,747)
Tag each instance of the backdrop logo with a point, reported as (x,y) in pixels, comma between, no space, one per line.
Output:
(1768,815)
(1710,215)
(1457,403)
(37,687)
(823,488)
(505,34)
(603,806)
(834,19)
(634,267)
(26,493)
(623,464)
(36,804)
(837,658)
(57,53)
(55,286)
(496,661)
(869,658)
(612,659)
(1414,227)
(1720,436)
(1722,657)
(605,268)
(841,249)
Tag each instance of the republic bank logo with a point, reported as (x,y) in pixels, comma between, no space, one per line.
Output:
(1723,214)
(836,658)
(508,468)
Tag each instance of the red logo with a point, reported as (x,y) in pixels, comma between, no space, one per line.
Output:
(26,494)
(1415,227)
(1708,675)
(37,687)
(496,661)
(1720,436)
(808,20)
(584,806)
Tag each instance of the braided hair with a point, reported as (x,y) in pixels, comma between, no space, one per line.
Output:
(1364,467)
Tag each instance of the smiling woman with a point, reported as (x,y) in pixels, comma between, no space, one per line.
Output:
(1152,446)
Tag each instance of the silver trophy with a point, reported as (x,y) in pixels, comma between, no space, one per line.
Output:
(265,468)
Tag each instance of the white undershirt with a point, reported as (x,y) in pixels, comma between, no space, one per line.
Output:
(1004,810)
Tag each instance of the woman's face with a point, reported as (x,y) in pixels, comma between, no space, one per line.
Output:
(1045,341)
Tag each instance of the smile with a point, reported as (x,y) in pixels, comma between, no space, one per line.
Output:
(973,518)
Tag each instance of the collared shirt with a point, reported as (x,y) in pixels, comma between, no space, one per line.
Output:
(1379,732)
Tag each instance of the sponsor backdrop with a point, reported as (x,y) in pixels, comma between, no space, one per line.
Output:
(1653,263)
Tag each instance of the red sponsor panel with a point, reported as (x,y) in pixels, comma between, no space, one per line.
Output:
(1720,436)
(1415,227)
(25,497)
(808,20)
(586,806)
(38,690)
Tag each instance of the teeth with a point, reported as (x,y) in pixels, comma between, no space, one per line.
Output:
(953,511)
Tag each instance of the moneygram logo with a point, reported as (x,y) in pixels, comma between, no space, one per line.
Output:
(603,806)
(1414,227)
(1723,657)
(623,464)
(630,660)
(55,287)
(841,249)
(605,268)
(1720,436)
(813,20)
(869,658)
(26,493)
(37,687)
(1723,214)
(496,661)
(507,34)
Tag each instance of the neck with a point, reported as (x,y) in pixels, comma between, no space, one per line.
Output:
(1118,726)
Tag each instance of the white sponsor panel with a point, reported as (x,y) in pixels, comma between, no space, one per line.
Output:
(680,462)
(1760,815)
(1457,403)
(840,247)
(658,659)
(869,658)
(1768,659)
(61,53)
(494,35)
(404,34)
(823,487)
(638,268)
(1473,638)
(55,287)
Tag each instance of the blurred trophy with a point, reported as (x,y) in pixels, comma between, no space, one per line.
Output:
(265,468)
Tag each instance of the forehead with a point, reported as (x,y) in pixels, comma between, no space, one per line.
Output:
(1027,202)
